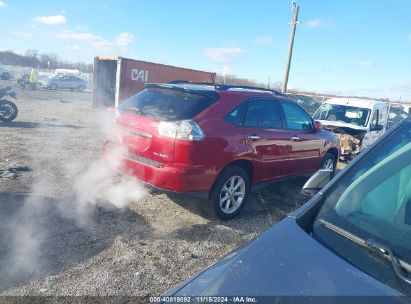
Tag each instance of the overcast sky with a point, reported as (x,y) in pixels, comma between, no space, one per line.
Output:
(349,47)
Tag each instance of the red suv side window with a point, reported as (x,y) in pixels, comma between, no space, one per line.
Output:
(264,114)
(296,118)
(237,115)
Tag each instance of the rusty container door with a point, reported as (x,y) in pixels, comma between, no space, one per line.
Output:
(105,81)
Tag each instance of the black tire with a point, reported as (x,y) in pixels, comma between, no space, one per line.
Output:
(53,86)
(80,88)
(10,108)
(212,205)
(325,163)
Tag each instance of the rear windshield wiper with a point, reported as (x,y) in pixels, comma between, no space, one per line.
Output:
(397,264)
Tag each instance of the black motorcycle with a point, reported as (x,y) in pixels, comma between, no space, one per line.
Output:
(8,110)
(24,82)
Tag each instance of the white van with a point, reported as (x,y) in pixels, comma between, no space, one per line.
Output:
(357,122)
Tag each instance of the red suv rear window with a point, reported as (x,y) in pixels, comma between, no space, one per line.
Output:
(166,104)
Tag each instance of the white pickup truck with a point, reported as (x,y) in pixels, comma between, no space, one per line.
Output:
(357,122)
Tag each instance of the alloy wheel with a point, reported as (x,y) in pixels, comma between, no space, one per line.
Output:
(232,194)
(328,164)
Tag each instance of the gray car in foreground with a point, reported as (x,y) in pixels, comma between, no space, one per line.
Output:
(66,82)
(351,243)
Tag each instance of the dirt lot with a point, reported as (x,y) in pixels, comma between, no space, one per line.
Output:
(143,249)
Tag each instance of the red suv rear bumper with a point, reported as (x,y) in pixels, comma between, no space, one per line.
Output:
(192,180)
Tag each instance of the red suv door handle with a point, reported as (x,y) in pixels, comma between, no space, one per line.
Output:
(295,138)
(253,137)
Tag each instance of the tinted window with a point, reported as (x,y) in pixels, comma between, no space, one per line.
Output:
(264,114)
(296,118)
(237,116)
(166,104)
(373,200)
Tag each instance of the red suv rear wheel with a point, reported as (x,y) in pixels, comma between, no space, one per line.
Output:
(229,193)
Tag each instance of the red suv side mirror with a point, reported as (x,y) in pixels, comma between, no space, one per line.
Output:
(317,126)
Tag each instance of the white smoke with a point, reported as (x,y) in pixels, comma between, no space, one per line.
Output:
(89,186)
(102,185)
(27,235)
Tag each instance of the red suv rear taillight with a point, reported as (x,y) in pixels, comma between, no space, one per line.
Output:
(183,129)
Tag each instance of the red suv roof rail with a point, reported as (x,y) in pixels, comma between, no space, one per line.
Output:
(193,82)
(225,87)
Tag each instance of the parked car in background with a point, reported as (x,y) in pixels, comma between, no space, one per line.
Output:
(395,115)
(5,74)
(218,142)
(309,104)
(66,82)
(357,122)
(351,239)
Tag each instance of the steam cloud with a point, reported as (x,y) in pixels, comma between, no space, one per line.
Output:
(98,185)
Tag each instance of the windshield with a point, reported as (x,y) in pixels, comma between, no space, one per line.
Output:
(351,115)
(166,104)
(373,201)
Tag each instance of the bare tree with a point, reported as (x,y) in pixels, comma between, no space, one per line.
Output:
(32,57)
(49,60)
(233,79)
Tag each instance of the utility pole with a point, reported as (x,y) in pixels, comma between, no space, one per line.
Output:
(290,47)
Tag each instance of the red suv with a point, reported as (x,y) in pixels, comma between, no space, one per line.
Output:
(218,142)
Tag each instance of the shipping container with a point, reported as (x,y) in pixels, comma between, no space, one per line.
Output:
(116,79)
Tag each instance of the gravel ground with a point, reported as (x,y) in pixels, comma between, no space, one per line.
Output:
(144,249)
